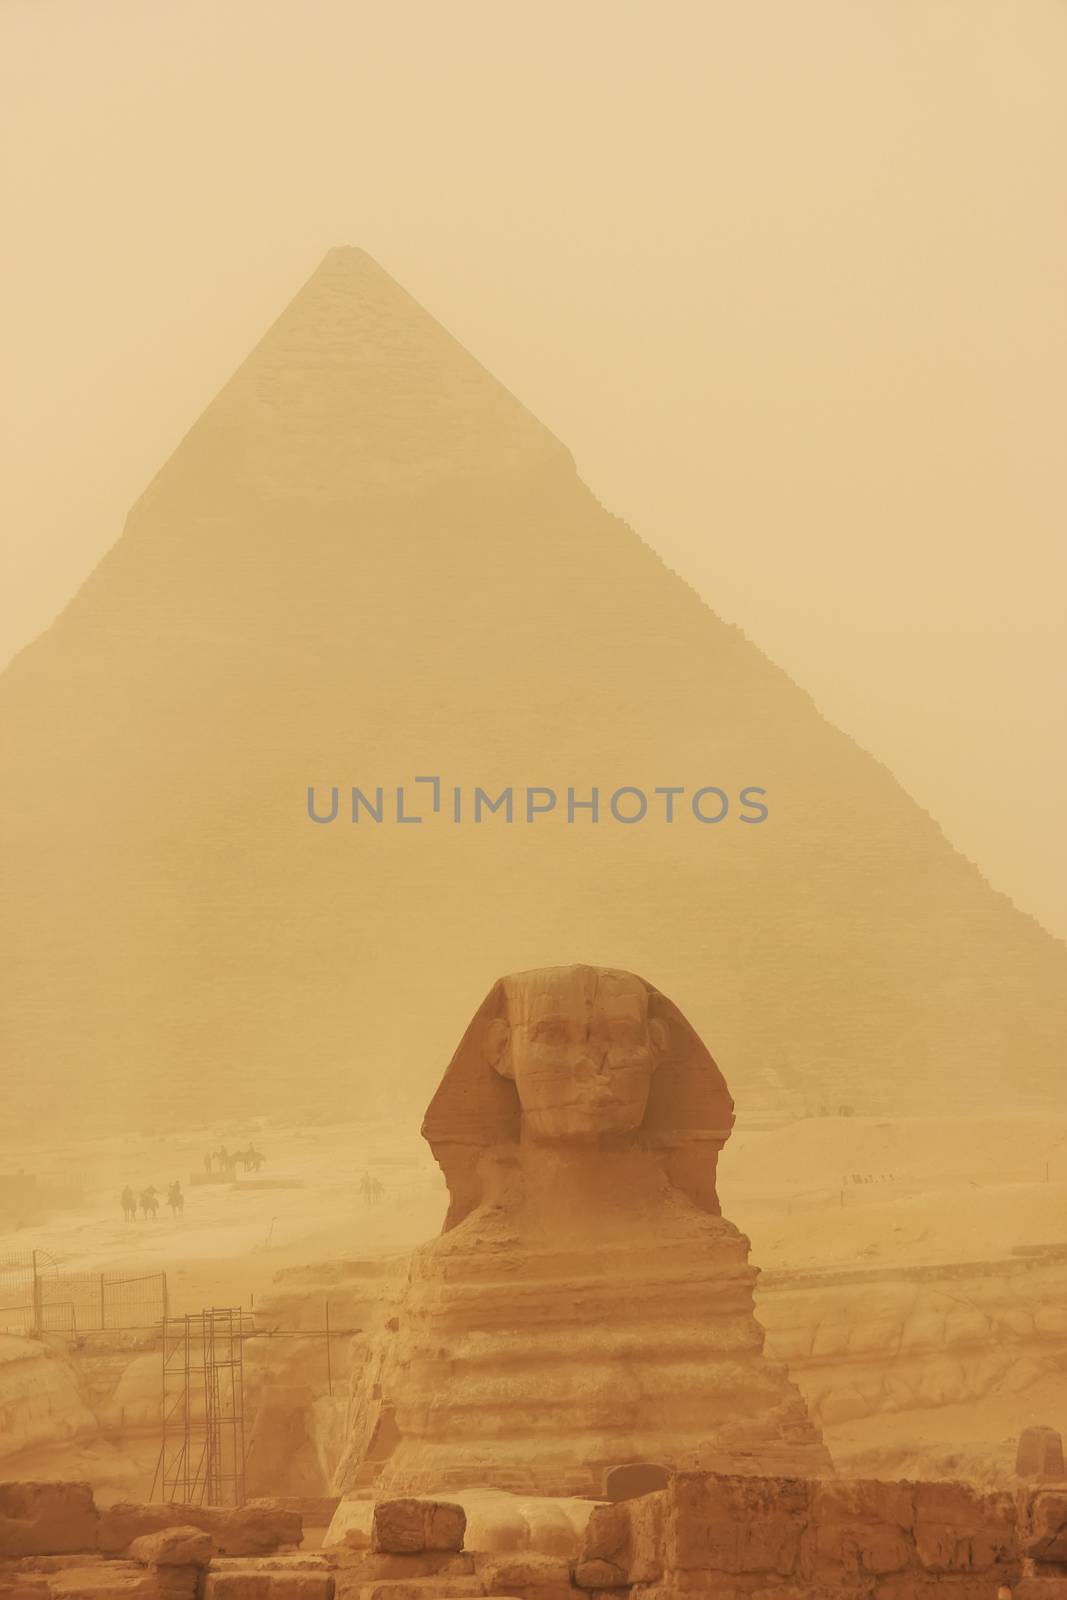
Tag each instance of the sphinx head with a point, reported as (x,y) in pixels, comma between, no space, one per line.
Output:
(579,1055)
(581,1048)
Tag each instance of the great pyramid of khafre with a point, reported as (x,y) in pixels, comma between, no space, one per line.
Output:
(367,563)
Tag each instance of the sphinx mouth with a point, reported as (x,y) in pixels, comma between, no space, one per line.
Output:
(605,1107)
(600,1090)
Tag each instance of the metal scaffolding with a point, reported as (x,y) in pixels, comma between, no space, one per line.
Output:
(202,1456)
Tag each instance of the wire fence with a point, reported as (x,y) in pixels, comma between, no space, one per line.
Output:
(857,1189)
(37,1295)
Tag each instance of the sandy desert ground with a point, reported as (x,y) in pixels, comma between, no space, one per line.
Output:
(303,1206)
(816,1194)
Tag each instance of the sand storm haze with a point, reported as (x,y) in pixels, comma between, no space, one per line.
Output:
(532,987)
(786,280)
(210,949)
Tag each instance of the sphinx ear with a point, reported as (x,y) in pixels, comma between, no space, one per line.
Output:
(497,1039)
(657,1033)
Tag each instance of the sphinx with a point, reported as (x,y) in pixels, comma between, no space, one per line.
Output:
(586,1305)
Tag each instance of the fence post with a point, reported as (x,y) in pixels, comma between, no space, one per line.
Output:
(329,1370)
(103,1305)
(37,1297)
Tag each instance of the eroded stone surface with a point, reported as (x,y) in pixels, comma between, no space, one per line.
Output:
(497,1522)
(253,1529)
(370,1566)
(245,1530)
(46,1518)
(546,1577)
(738,1537)
(1046,1531)
(123,1580)
(280,1434)
(635,1479)
(267,1582)
(785,1539)
(627,1536)
(409,1526)
(586,1305)
(439,1588)
(256,1530)
(956,1528)
(1040,1453)
(173,1547)
(42,1398)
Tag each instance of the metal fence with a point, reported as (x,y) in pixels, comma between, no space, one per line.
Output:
(38,1295)
(857,1189)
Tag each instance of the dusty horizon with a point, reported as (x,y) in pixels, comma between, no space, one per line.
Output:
(822,375)
(533,990)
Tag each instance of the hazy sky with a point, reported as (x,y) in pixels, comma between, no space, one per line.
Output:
(788,279)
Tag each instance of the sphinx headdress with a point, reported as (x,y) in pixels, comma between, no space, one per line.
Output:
(687,1120)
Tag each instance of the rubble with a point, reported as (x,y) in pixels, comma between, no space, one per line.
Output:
(706,1535)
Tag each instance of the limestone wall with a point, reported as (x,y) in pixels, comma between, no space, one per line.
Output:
(788,1539)
(858,1342)
(297,1430)
(42,1399)
(720,1538)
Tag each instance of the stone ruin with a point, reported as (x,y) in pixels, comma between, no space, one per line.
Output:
(586,1306)
(1040,1453)
(702,1535)
(572,1398)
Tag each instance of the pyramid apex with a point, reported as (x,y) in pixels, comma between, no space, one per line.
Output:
(349,255)
(356,385)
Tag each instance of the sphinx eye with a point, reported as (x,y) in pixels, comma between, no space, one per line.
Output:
(552,1032)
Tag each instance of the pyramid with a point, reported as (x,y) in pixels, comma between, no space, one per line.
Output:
(367,564)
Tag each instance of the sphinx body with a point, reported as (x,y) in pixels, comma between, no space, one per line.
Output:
(586,1304)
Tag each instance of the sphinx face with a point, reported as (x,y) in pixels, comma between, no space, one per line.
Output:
(581,1048)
